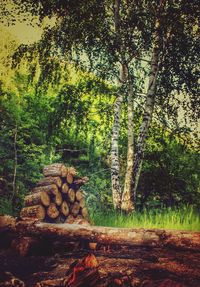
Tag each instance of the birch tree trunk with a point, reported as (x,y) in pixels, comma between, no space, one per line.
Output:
(115,165)
(15,167)
(127,198)
(150,101)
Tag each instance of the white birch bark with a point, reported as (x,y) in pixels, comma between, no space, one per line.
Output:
(127,204)
(115,165)
(150,101)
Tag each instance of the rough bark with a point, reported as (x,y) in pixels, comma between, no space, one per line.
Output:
(127,204)
(56,169)
(150,101)
(109,235)
(37,198)
(50,180)
(50,189)
(35,211)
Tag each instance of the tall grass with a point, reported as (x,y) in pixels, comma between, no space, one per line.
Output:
(185,218)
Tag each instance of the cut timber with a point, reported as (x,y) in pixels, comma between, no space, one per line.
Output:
(71,195)
(84,212)
(75,209)
(37,198)
(79,195)
(110,235)
(69,178)
(49,189)
(82,203)
(35,211)
(52,211)
(71,170)
(64,208)
(55,169)
(58,199)
(65,188)
(50,180)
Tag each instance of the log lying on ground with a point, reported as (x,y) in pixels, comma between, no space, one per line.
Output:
(35,211)
(108,235)
(50,180)
(37,198)
(55,169)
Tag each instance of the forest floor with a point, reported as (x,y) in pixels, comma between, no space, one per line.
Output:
(143,266)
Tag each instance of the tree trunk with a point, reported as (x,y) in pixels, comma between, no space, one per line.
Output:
(15,168)
(109,235)
(127,198)
(35,211)
(150,101)
(37,198)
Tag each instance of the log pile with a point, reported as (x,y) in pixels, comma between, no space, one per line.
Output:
(57,198)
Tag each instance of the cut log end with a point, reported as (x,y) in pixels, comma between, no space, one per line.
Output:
(75,209)
(69,178)
(58,199)
(71,195)
(52,211)
(64,208)
(65,188)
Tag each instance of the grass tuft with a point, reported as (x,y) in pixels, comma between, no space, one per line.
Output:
(185,218)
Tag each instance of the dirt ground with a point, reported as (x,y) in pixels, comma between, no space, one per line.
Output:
(143,266)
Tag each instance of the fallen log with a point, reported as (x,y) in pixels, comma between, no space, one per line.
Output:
(108,235)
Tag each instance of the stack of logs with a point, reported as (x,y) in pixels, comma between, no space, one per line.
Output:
(57,197)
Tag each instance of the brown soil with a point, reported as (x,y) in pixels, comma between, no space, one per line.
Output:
(146,267)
